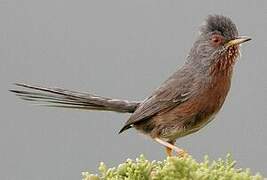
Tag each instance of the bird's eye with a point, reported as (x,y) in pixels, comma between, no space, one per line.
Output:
(216,40)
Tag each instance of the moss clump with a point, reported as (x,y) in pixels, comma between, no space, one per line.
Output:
(173,168)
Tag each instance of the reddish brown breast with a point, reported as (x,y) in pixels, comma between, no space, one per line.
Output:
(215,91)
(195,113)
(199,110)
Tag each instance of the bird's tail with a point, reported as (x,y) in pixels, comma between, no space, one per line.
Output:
(55,97)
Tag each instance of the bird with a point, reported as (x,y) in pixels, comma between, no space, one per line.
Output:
(183,104)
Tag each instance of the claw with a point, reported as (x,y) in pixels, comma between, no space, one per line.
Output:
(182,154)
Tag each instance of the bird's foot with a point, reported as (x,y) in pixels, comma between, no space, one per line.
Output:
(170,148)
(182,153)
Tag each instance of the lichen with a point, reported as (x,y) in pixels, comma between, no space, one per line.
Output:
(173,168)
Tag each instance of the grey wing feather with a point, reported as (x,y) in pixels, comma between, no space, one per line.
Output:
(173,92)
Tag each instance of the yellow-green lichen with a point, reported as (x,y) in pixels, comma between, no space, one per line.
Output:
(173,168)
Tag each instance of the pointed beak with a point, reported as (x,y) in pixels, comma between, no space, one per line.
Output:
(238,40)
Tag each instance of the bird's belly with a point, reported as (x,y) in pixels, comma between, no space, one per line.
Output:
(212,103)
(189,129)
(199,125)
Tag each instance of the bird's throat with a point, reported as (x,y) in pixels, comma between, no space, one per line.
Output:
(224,64)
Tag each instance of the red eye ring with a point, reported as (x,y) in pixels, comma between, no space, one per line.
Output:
(216,39)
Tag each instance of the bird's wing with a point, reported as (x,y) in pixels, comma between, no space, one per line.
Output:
(172,93)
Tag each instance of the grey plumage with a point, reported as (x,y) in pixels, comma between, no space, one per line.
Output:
(55,97)
(220,24)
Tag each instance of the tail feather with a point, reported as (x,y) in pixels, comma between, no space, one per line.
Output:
(55,97)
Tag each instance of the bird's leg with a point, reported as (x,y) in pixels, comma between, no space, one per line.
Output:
(168,151)
(170,147)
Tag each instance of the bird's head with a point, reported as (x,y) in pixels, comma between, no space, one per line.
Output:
(218,43)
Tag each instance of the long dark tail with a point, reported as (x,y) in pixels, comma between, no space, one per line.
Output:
(55,97)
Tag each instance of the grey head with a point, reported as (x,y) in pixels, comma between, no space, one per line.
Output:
(218,39)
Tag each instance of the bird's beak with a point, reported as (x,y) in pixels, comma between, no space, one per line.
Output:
(238,40)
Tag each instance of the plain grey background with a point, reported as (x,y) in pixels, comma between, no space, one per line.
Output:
(122,49)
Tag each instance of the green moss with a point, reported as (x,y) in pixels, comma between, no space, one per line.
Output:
(173,168)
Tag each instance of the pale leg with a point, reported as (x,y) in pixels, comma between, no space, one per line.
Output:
(170,147)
